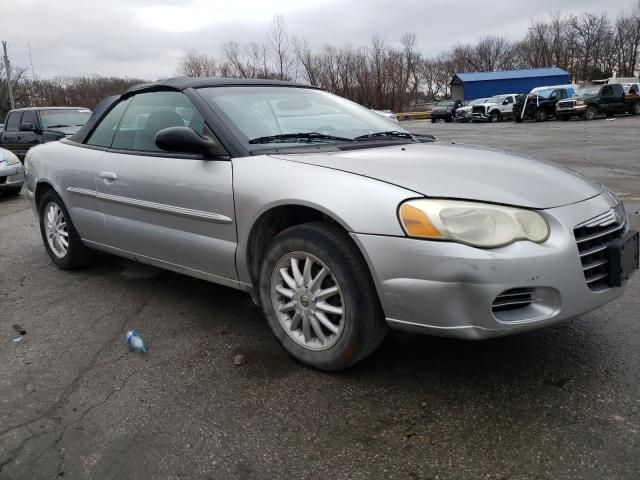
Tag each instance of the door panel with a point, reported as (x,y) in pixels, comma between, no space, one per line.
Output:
(176,210)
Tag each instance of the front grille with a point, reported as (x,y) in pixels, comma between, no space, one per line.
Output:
(567,104)
(480,110)
(593,239)
(514,298)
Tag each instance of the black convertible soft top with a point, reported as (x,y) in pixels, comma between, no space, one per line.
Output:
(177,84)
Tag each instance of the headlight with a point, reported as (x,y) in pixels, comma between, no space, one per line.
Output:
(580,102)
(10,158)
(475,224)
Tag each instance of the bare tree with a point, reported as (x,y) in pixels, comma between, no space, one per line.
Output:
(280,48)
(195,64)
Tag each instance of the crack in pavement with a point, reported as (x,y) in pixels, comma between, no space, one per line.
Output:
(113,391)
(68,391)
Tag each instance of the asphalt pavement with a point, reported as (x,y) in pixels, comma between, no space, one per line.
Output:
(559,403)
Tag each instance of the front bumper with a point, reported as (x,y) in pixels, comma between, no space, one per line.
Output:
(11,176)
(449,289)
(480,117)
(577,110)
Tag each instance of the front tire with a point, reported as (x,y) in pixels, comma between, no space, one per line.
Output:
(494,117)
(434,120)
(635,109)
(590,113)
(541,115)
(318,297)
(61,240)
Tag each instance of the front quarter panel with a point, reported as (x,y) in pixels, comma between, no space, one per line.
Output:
(360,204)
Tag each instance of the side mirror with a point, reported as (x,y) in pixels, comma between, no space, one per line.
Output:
(186,140)
(27,127)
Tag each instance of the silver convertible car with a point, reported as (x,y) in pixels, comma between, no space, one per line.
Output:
(336,221)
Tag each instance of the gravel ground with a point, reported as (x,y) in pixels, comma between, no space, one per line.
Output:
(560,403)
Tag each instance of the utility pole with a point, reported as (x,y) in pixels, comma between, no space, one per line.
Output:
(7,66)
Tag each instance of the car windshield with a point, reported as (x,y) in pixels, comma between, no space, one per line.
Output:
(291,115)
(584,91)
(478,101)
(445,103)
(55,118)
(496,99)
(544,93)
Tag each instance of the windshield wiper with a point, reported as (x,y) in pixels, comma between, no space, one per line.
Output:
(56,126)
(307,137)
(384,135)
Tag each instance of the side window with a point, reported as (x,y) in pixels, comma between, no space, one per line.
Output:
(13,122)
(102,135)
(151,112)
(508,100)
(607,91)
(29,116)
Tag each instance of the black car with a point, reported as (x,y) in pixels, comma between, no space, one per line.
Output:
(540,103)
(27,127)
(445,110)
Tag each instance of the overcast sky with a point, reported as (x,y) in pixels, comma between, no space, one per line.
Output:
(146,38)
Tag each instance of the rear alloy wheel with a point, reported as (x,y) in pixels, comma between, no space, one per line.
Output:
(61,240)
(541,115)
(318,297)
(590,113)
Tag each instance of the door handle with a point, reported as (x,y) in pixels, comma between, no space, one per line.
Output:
(108,176)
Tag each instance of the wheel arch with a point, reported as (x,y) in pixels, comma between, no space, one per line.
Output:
(42,187)
(276,218)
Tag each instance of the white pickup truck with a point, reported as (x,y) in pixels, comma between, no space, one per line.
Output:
(496,109)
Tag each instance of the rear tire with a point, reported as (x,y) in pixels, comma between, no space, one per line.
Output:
(635,109)
(57,230)
(292,301)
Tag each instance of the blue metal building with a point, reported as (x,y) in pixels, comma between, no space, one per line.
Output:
(469,86)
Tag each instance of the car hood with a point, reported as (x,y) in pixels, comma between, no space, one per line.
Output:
(463,172)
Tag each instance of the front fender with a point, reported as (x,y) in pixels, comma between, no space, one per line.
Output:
(360,204)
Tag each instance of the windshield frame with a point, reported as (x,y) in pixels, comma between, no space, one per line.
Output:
(206,96)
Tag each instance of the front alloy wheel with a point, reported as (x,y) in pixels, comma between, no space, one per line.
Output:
(318,297)
(308,301)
